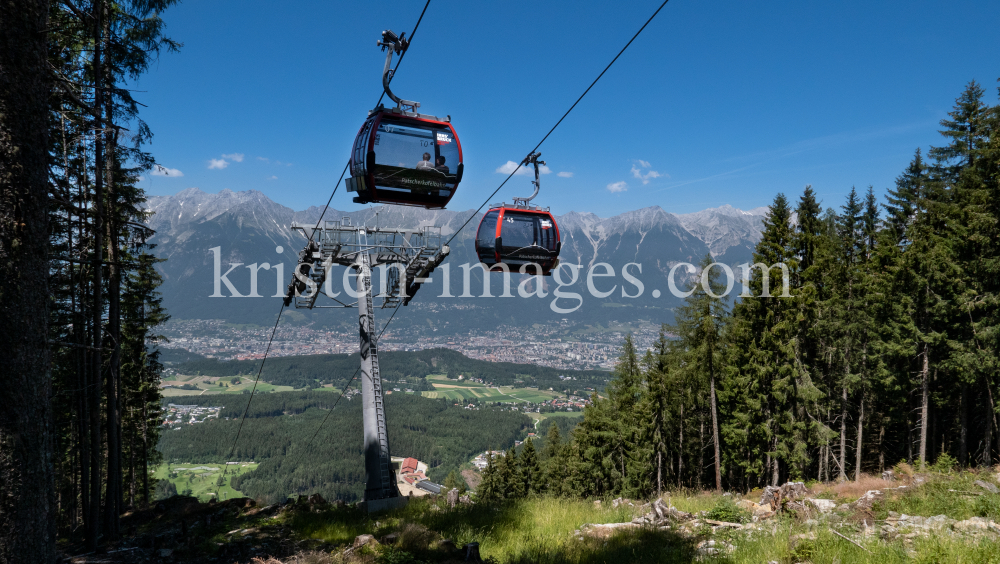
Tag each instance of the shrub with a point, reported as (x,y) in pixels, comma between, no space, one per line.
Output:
(903,469)
(988,505)
(726,510)
(944,463)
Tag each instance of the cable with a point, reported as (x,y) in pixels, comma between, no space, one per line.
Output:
(403,54)
(327,206)
(560,119)
(311,235)
(254,390)
(501,184)
(398,61)
(348,385)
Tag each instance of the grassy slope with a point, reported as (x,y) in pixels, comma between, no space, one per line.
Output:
(542,529)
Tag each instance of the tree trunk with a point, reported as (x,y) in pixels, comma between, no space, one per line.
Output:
(881,449)
(680,448)
(145,455)
(924,386)
(715,436)
(112,507)
(858,446)
(27,486)
(97,305)
(843,435)
(988,452)
(963,418)
(776,474)
(659,474)
(701,451)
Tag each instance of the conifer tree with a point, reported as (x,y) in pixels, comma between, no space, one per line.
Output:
(700,324)
(489,490)
(512,476)
(554,461)
(656,409)
(531,470)
(759,390)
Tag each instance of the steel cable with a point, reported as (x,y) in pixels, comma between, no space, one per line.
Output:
(559,122)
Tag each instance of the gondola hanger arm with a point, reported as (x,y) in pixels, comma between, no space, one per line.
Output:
(391,43)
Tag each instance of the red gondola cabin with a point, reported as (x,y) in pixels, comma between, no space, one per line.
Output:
(515,236)
(405,158)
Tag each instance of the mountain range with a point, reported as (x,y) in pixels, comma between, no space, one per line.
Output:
(247,228)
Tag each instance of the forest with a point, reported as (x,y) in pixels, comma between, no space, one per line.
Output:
(313,370)
(303,447)
(886,349)
(94,307)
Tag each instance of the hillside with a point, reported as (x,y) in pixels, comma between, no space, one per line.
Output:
(941,517)
(279,436)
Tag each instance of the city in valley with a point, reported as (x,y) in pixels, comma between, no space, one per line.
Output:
(563,345)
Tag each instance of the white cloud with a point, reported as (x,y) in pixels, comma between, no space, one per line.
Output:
(236,157)
(637,171)
(272,177)
(565,174)
(218,163)
(509,167)
(264,159)
(619,186)
(164,171)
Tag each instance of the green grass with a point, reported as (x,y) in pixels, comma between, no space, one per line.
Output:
(934,498)
(541,530)
(460,390)
(202,482)
(214,388)
(537,530)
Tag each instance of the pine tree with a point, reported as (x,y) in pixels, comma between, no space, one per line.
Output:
(656,409)
(512,476)
(27,504)
(554,462)
(490,490)
(531,470)
(758,389)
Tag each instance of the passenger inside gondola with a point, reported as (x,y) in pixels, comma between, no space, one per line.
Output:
(440,164)
(425,164)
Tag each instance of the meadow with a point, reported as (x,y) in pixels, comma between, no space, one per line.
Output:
(211,385)
(202,479)
(459,390)
(545,529)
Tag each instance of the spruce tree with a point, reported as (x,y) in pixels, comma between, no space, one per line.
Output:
(656,408)
(512,476)
(554,462)
(759,382)
(700,324)
(531,470)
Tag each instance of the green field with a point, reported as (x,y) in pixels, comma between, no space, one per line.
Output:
(459,390)
(213,387)
(202,479)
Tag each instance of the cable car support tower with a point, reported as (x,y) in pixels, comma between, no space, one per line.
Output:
(408,256)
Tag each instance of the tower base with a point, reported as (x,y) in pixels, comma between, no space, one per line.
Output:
(379,505)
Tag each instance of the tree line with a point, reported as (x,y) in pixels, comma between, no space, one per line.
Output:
(80,284)
(885,348)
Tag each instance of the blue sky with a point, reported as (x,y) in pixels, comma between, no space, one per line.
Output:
(717,102)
